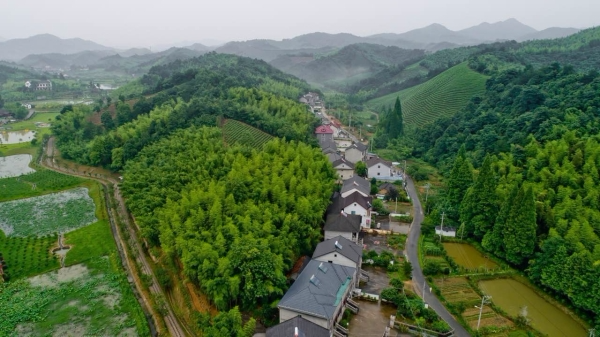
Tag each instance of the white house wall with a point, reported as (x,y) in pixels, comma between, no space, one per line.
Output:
(337,258)
(343,143)
(345,174)
(352,191)
(379,170)
(285,314)
(333,234)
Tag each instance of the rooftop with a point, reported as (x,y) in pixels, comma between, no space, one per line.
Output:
(377,160)
(305,328)
(358,183)
(318,289)
(342,246)
(343,223)
(323,129)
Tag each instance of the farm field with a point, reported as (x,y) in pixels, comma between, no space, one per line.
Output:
(51,213)
(45,181)
(468,257)
(511,295)
(81,300)
(28,256)
(241,133)
(441,96)
(30,124)
(13,166)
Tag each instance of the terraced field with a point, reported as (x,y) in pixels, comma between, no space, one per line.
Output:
(242,133)
(442,96)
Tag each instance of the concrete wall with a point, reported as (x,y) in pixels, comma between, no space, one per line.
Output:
(347,235)
(337,258)
(345,174)
(285,314)
(379,170)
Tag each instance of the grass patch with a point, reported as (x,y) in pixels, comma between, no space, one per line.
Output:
(88,242)
(441,96)
(38,117)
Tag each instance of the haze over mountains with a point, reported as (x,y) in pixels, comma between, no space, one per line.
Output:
(50,51)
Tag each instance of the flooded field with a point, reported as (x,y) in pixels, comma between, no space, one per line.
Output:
(512,295)
(14,166)
(468,257)
(14,137)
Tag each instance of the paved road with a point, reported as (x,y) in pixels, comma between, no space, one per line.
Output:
(413,257)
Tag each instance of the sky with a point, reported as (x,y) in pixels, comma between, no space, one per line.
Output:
(146,23)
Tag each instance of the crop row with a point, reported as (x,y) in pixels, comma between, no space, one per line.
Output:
(241,133)
(28,256)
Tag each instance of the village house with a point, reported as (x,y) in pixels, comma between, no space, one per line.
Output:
(333,157)
(356,152)
(39,85)
(446,231)
(379,168)
(320,294)
(297,327)
(342,224)
(344,169)
(354,203)
(324,132)
(356,184)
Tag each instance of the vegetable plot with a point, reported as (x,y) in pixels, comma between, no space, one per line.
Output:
(48,214)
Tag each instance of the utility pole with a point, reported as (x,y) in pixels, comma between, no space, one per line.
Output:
(396,209)
(484,300)
(427,187)
(442,225)
(404,178)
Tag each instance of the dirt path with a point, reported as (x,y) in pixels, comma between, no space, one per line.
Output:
(174,327)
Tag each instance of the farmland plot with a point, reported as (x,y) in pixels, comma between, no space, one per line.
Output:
(47,214)
(13,166)
(81,300)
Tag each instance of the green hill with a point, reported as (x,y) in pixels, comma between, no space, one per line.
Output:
(441,96)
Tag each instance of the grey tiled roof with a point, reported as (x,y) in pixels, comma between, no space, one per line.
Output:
(333,157)
(319,300)
(342,161)
(343,223)
(357,182)
(349,249)
(305,327)
(377,160)
(338,203)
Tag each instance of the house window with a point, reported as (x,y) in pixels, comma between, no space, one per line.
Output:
(334,255)
(330,261)
(378,173)
(353,212)
(378,166)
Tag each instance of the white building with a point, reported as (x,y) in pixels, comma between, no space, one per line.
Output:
(342,224)
(378,168)
(446,231)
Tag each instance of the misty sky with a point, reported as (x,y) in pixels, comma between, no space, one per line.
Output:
(143,23)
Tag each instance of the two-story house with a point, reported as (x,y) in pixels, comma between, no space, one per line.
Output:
(319,294)
(356,152)
(355,204)
(379,168)
(297,327)
(346,225)
(344,169)
(356,184)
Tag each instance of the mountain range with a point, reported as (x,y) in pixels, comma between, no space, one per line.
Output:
(50,51)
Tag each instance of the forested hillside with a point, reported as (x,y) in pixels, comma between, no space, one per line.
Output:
(233,207)
(533,198)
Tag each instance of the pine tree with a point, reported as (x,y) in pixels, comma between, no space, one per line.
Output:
(399,124)
(520,231)
(493,241)
(459,181)
(479,207)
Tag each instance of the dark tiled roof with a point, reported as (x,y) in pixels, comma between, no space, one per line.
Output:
(338,203)
(327,143)
(387,186)
(358,183)
(333,157)
(349,249)
(360,146)
(342,161)
(320,296)
(377,160)
(343,223)
(305,327)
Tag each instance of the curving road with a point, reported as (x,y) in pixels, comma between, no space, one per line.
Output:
(413,257)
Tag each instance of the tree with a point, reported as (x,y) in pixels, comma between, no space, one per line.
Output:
(398,128)
(226,324)
(520,229)
(493,241)
(123,113)
(361,169)
(479,207)
(107,120)
(1,102)
(459,182)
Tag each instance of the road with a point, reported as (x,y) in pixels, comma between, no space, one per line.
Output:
(173,326)
(413,257)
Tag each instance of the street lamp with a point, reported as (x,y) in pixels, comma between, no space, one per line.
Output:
(484,300)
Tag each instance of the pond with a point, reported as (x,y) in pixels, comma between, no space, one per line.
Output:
(512,295)
(468,257)
(14,137)
(13,166)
